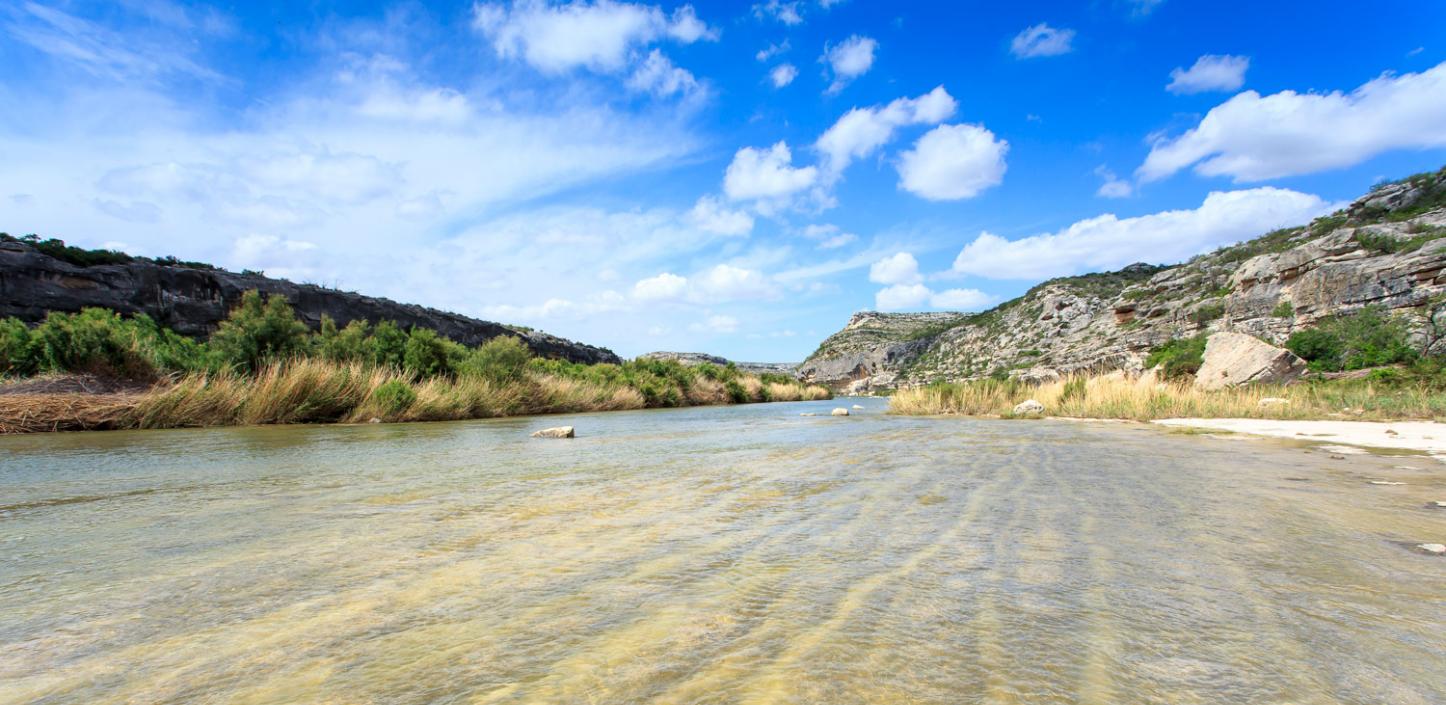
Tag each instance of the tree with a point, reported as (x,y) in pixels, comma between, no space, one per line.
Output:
(257,331)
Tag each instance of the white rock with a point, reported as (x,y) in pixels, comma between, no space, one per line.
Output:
(1028,406)
(374,420)
(1433,548)
(1387,483)
(1439,504)
(808,413)
(840,411)
(558,432)
(1237,358)
(858,406)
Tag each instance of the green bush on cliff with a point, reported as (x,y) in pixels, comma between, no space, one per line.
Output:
(1179,357)
(1370,337)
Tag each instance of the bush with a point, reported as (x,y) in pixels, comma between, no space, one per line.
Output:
(425,354)
(1283,310)
(1369,337)
(394,397)
(1179,357)
(17,354)
(501,359)
(1207,313)
(257,331)
(388,346)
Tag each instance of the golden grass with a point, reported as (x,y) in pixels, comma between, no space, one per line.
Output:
(1114,396)
(315,391)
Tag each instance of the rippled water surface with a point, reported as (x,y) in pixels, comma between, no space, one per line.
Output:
(722,555)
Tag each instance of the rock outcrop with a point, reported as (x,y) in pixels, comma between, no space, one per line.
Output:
(1387,249)
(193,300)
(757,368)
(556,432)
(1232,359)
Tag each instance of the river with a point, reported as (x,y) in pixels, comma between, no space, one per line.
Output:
(715,555)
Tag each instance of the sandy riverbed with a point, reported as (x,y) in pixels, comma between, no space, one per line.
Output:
(1426,436)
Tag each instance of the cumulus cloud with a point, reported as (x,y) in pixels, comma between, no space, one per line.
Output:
(757,174)
(771,51)
(952,162)
(1211,72)
(900,268)
(782,75)
(1042,40)
(1109,242)
(1113,186)
(1253,138)
(904,297)
(663,287)
(598,35)
(849,59)
(861,131)
(657,75)
(710,215)
(781,10)
(828,236)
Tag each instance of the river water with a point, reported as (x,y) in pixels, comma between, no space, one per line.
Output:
(715,555)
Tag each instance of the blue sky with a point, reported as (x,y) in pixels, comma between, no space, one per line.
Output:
(725,177)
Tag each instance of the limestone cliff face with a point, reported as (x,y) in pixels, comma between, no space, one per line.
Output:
(1386,249)
(193,301)
(693,358)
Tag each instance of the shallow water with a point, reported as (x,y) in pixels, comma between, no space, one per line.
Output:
(719,555)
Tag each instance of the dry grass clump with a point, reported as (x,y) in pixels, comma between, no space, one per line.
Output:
(1114,396)
(36,413)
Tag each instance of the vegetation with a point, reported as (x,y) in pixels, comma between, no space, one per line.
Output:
(1116,397)
(82,257)
(264,366)
(1386,243)
(1178,358)
(1284,309)
(1370,337)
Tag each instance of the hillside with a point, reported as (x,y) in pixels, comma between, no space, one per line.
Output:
(37,277)
(1388,249)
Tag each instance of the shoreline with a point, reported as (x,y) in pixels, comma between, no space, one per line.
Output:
(1427,437)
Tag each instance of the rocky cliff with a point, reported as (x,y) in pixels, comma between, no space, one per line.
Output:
(192,300)
(1387,249)
(758,368)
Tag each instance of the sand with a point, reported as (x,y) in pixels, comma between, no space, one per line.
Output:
(1426,436)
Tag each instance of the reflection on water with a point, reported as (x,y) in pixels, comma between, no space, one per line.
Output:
(725,555)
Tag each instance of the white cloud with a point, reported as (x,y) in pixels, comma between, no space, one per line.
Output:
(1211,72)
(828,236)
(782,75)
(658,76)
(951,162)
(710,215)
(1042,40)
(900,297)
(861,131)
(1145,7)
(1109,242)
(664,287)
(599,35)
(98,50)
(900,268)
(757,174)
(785,12)
(1253,138)
(1113,186)
(716,324)
(726,282)
(771,51)
(961,299)
(851,58)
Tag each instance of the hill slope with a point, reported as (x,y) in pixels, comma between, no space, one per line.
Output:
(193,298)
(1387,248)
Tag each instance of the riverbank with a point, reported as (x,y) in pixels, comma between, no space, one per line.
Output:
(317,391)
(1418,436)
(1116,396)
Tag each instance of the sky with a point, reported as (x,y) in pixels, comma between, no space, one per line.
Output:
(723,177)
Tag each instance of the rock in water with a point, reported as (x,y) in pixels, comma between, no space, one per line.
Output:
(1028,407)
(1236,358)
(840,412)
(558,432)
(858,406)
(1435,549)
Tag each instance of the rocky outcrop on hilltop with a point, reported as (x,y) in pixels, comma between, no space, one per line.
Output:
(192,300)
(1387,249)
(757,368)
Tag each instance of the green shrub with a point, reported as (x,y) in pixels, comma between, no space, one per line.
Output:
(387,345)
(1283,310)
(736,393)
(1179,357)
(1073,389)
(1370,337)
(1207,313)
(350,344)
(1387,375)
(394,397)
(17,353)
(425,354)
(504,359)
(259,330)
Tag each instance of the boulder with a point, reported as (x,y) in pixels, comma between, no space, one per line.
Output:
(1028,407)
(557,432)
(858,406)
(1432,548)
(1235,358)
(840,412)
